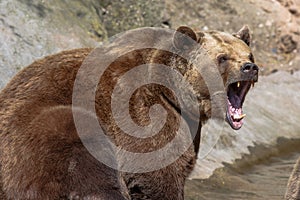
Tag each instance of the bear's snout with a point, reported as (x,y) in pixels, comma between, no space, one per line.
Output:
(250,70)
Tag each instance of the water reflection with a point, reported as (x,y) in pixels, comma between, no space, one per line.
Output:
(264,180)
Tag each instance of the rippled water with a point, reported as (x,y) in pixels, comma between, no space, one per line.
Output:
(264,180)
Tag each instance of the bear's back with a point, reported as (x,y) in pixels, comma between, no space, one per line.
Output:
(46,82)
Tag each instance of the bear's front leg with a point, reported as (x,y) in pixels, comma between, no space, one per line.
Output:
(166,183)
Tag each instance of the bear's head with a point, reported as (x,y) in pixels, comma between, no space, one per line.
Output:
(231,56)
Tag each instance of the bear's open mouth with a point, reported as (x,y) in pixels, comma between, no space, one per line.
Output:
(236,94)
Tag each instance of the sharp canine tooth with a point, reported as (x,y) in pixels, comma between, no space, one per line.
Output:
(237,116)
(238,84)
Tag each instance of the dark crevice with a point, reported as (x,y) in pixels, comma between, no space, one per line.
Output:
(135,189)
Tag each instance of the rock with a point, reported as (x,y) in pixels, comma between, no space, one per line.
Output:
(33,29)
(119,16)
(287,44)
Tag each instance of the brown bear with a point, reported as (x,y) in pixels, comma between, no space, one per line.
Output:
(43,155)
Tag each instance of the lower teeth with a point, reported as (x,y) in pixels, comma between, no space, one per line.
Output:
(236,116)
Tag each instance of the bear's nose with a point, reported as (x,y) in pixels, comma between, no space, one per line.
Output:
(249,67)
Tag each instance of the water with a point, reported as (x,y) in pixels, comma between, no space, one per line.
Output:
(260,180)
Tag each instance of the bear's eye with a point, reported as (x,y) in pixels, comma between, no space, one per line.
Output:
(222,58)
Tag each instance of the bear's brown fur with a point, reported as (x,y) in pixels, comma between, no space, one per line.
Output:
(47,159)
(42,156)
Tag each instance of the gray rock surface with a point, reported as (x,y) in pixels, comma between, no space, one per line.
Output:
(31,30)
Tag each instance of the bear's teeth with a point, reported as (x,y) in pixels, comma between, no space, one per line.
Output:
(238,84)
(237,116)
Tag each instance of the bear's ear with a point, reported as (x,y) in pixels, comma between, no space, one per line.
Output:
(244,34)
(184,38)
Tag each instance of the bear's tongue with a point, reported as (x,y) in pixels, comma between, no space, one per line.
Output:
(235,116)
(236,113)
